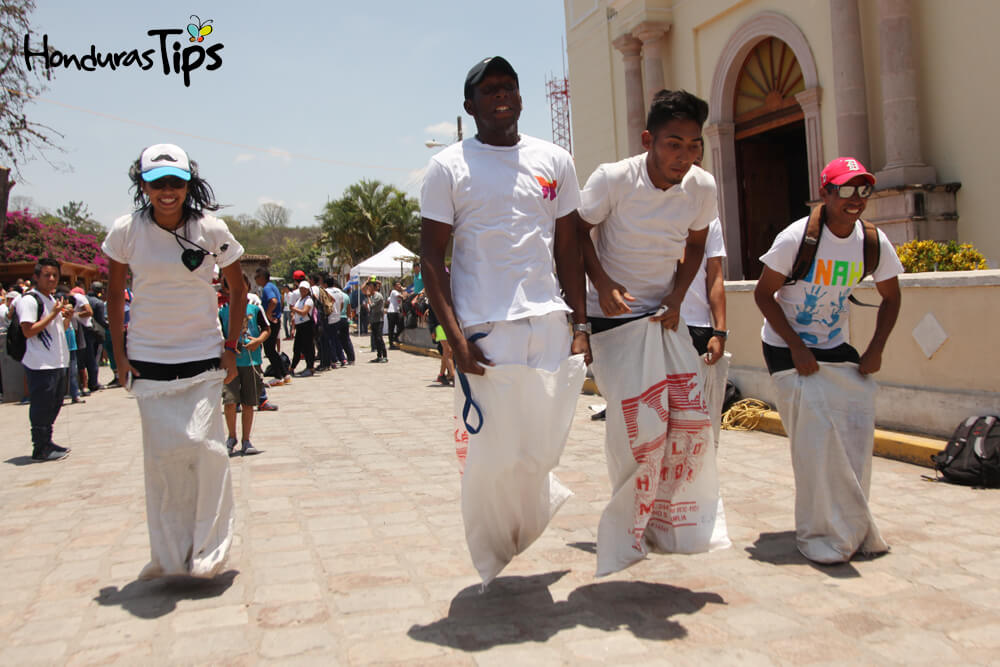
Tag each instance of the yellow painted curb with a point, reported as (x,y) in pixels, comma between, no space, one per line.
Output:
(888,444)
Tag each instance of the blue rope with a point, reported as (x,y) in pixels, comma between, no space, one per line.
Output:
(470,404)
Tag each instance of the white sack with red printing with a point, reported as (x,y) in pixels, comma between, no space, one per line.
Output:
(659,445)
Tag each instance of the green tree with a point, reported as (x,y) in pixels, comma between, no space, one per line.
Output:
(366,218)
(76,215)
(295,254)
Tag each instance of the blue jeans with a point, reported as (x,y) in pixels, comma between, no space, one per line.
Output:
(46,389)
(74,374)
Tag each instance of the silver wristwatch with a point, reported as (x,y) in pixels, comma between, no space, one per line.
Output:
(582,328)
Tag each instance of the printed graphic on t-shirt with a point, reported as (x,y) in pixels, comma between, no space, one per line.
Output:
(548,187)
(825,306)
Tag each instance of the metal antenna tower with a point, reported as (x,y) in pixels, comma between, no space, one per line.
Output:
(557,92)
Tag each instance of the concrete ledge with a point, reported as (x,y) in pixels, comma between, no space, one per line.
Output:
(888,444)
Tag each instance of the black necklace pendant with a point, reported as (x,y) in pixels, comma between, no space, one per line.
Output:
(192,258)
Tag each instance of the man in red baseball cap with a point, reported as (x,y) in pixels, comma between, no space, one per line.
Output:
(824,390)
(298,276)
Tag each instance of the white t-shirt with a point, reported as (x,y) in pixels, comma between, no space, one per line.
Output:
(502,202)
(394,301)
(641,230)
(49,349)
(290,299)
(816,307)
(695,309)
(174,312)
(301,304)
(338,303)
(81,302)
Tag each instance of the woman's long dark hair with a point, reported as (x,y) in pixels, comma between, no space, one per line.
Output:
(200,196)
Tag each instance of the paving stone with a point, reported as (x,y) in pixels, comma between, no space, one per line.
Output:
(350,549)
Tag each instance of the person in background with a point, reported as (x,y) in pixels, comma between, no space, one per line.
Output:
(395,314)
(272,302)
(376,311)
(94,336)
(44,320)
(304,346)
(246,388)
(288,297)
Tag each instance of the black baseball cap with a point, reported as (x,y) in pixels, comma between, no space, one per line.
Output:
(480,69)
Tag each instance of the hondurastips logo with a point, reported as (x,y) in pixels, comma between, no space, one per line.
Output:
(174,58)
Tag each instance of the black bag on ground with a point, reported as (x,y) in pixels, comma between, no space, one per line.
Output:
(17,342)
(286,364)
(972,456)
(732,395)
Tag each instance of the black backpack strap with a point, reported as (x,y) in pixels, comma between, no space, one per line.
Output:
(872,248)
(871,254)
(807,247)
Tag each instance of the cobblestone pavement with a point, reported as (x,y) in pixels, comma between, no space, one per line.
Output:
(350,551)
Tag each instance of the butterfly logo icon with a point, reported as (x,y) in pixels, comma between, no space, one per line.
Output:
(199,31)
(548,187)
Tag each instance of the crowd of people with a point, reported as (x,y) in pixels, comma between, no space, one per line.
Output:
(545,278)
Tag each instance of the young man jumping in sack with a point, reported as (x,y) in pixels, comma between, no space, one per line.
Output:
(825,393)
(644,221)
(508,200)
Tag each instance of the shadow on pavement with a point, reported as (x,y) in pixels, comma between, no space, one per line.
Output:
(780,549)
(589,547)
(514,610)
(152,599)
(21,461)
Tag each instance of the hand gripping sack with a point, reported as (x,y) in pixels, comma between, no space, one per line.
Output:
(659,445)
(508,446)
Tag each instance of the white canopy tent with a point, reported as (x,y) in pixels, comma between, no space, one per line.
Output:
(394,260)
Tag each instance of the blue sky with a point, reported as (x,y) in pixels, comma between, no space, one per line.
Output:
(310,96)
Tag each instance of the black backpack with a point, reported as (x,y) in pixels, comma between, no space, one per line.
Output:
(17,343)
(972,456)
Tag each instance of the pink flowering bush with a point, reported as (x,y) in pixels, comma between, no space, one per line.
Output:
(26,238)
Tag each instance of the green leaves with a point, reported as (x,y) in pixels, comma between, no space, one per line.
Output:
(367,217)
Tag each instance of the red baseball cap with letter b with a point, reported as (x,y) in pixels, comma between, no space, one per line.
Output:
(843,169)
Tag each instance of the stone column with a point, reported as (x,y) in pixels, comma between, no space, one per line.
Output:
(809,101)
(904,164)
(651,33)
(849,82)
(635,112)
(722,147)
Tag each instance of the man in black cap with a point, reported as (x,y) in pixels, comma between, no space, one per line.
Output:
(508,200)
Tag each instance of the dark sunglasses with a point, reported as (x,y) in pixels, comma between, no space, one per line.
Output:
(171,182)
(847,191)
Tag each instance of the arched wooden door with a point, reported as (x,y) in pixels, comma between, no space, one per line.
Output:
(771,155)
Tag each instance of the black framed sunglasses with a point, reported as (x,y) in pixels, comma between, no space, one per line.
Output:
(171,182)
(847,191)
